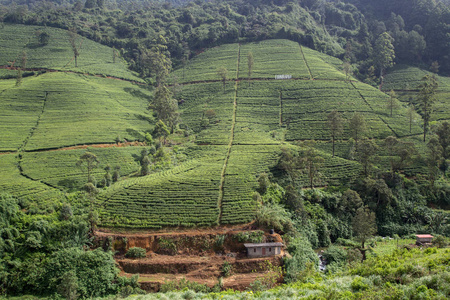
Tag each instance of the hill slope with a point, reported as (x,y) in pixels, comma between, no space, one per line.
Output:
(210,176)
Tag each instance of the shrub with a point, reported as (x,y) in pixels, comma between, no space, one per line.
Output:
(358,284)
(183,284)
(167,246)
(440,241)
(302,255)
(335,255)
(136,252)
(226,269)
(250,236)
(218,243)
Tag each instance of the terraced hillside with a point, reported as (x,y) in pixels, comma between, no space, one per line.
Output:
(237,131)
(57,53)
(404,81)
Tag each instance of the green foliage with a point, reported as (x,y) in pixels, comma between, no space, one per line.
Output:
(384,52)
(95,271)
(54,51)
(68,286)
(274,216)
(136,252)
(364,225)
(226,269)
(167,246)
(9,211)
(336,256)
(426,99)
(184,285)
(219,242)
(250,236)
(303,258)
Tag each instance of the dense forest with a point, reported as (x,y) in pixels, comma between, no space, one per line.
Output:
(357,144)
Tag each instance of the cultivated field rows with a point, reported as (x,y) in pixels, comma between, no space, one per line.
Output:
(237,131)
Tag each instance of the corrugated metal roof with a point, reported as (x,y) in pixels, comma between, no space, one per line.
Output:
(423,236)
(263,245)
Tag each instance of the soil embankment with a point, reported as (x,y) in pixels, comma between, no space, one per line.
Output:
(195,255)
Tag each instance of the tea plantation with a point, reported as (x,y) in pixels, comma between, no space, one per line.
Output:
(57,53)
(405,80)
(233,130)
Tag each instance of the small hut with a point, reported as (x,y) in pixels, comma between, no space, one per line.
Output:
(423,239)
(263,249)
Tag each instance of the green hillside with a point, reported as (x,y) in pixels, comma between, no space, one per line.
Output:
(210,177)
(94,58)
(405,79)
(253,119)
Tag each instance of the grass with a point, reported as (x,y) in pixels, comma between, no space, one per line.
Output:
(388,245)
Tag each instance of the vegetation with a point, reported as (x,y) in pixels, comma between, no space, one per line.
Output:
(136,252)
(116,114)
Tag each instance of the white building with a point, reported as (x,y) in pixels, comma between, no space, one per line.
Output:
(263,249)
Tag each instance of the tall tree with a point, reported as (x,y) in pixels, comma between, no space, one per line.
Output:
(384,53)
(364,226)
(366,153)
(336,125)
(165,106)
(73,40)
(347,70)
(222,72)
(310,162)
(392,101)
(250,65)
(411,116)
(401,154)
(434,67)
(426,99)
(357,127)
(434,159)
(443,133)
(161,130)
(89,161)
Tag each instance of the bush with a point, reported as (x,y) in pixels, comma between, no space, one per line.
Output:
(218,243)
(302,255)
(439,241)
(136,252)
(250,236)
(359,284)
(167,246)
(94,272)
(226,269)
(183,284)
(335,255)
